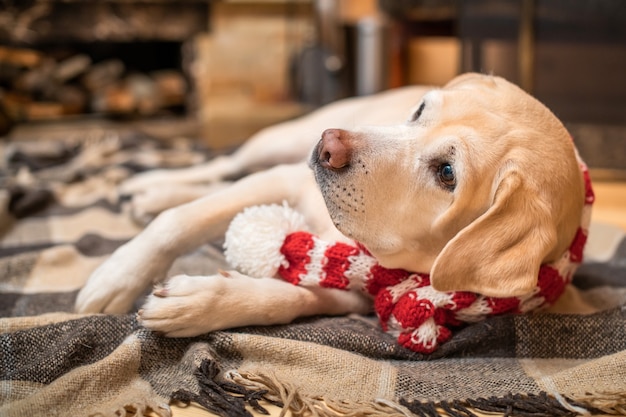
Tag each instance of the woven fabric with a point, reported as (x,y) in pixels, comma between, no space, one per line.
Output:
(54,362)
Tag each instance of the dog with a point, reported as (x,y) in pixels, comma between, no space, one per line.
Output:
(476,183)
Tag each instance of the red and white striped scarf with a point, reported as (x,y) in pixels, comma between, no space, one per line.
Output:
(407,305)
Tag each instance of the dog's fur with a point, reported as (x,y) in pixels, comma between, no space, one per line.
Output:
(512,202)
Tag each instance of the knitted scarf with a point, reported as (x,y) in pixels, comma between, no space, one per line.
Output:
(420,317)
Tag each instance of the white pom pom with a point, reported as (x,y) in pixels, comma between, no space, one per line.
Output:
(254,238)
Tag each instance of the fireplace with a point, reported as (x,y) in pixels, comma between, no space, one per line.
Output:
(104,57)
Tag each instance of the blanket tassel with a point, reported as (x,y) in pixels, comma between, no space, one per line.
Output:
(300,405)
(528,405)
(228,396)
(612,403)
(222,397)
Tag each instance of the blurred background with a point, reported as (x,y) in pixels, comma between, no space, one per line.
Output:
(220,70)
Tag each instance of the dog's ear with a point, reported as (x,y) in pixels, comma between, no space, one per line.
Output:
(499,254)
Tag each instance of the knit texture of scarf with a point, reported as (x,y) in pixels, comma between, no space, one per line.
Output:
(407,305)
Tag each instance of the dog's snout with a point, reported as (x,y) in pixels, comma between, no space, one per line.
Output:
(334,149)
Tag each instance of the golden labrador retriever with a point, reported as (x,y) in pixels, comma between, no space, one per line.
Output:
(478,187)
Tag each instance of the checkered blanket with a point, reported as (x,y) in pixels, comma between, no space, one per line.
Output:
(60,216)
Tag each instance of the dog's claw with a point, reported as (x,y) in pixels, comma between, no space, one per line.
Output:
(224,273)
(160,292)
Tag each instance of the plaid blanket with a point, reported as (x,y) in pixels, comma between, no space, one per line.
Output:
(60,216)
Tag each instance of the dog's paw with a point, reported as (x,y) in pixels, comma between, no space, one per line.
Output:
(115,285)
(187,306)
(147,204)
(106,293)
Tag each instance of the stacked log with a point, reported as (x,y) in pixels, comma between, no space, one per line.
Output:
(35,85)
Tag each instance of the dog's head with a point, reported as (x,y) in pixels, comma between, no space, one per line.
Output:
(479,187)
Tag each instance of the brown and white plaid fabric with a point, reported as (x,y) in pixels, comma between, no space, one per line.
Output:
(60,216)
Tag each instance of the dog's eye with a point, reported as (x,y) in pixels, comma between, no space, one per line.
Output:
(419,111)
(446,175)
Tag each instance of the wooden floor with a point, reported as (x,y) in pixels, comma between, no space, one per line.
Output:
(610,208)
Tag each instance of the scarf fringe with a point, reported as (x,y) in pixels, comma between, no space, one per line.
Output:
(227,395)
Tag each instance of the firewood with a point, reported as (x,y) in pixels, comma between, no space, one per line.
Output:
(43,110)
(74,85)
(102,74)
(71,68)
(20,57)
(144,92)
(72,98)
(115,98)
(15,104)
(36,79)
(6,121)
(171,87)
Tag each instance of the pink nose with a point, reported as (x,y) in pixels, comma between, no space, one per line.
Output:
(334,151)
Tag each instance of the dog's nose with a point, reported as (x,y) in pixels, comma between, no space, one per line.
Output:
(334,151)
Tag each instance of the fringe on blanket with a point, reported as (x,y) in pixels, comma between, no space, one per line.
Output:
(612,403)
(228,394)
(221,396)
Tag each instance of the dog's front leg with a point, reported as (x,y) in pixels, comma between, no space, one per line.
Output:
(191,305)
(115,285)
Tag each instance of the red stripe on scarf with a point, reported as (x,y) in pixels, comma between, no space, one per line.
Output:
(337,263)
(296,252)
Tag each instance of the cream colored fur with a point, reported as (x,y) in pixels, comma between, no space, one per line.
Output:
(516,204)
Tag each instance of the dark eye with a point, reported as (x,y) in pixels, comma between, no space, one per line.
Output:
(446,175)
(419,111)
